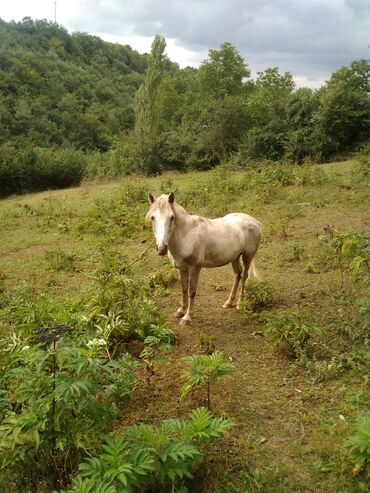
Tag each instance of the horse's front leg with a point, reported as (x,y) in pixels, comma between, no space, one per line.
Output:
(185,297)
(192,291)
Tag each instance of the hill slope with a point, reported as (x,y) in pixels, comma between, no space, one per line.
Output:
(59,88)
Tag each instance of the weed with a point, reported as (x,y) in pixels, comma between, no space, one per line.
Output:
(59,401)
(297,253)
(149,458)
(163,279)
(59,260)
(258,295)
(159,339)
(345,250)
(279,228)
(167,185)
(359,450)
(311,268)
(288,331)
(206,369)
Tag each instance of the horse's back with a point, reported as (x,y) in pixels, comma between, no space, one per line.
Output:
(243,221)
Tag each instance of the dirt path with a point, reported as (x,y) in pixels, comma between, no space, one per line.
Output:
(268,403)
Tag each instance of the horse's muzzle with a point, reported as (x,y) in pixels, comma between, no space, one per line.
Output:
(162,250)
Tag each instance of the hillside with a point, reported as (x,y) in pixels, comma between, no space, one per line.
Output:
(65,89)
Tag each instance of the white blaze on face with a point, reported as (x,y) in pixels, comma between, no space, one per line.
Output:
(161,227)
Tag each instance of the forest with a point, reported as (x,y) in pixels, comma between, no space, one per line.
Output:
(74,107)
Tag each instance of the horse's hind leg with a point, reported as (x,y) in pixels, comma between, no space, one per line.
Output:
(244,276)
(237,276)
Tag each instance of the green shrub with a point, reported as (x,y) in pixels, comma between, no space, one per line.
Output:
(149,458)
(205,369)
(117,306)
(120,215)
(60,399)
(345,250)
(38,168)
(288,330)
(359,450)
(258,295)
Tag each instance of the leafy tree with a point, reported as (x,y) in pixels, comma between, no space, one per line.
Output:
(267,110)
(343,118)
(223,72)
(147,112)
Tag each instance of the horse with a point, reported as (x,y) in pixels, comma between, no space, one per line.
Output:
(193,242)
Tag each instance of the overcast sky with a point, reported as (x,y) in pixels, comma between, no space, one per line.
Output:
(309,38)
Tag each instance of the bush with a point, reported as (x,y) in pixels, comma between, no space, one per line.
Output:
(37,168)
(59,400)
(288,331)
(207,369)
(359,451)
(259,295)
(149,458)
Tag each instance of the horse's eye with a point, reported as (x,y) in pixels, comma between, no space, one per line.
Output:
(172,218)
(152,218)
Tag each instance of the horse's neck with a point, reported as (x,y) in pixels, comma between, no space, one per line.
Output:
(184,222)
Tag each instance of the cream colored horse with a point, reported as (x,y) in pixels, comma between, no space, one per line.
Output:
(193,242)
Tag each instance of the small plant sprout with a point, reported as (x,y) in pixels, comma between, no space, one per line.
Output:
(205,368)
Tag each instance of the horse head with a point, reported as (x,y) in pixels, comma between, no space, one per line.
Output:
(161,214)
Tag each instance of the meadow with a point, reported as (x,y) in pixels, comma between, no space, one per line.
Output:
(101,389)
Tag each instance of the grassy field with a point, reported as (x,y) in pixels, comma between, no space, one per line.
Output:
(298,346)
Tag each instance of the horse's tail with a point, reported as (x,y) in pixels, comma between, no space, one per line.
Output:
(252,271)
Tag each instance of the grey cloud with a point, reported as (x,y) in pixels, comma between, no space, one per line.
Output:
(309,38)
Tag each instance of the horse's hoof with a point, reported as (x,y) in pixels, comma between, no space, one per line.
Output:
(178,314)
(228,305)
(185,321)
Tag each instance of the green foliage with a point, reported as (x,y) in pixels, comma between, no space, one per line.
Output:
(120,215)
(259,295)
(148,457)
(59,260)
(222,73)
(345,249)
(38,168)
(359,450)
(205,369)
(87,96)
(288,331)
(164,278)
(159,339)
(147,112)
(118,306)
(59,402)
(343,116)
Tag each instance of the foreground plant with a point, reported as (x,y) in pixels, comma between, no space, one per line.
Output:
(207,369)
(58,403)
(150,458)
(359,450)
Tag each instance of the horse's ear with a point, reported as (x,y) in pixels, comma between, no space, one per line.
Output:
(171,198)
(151,198)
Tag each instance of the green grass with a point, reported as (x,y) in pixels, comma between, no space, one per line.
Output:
(286,440)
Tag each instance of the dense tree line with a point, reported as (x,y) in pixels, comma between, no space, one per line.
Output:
(72,105)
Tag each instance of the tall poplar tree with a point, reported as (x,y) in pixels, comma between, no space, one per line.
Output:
(147,110)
